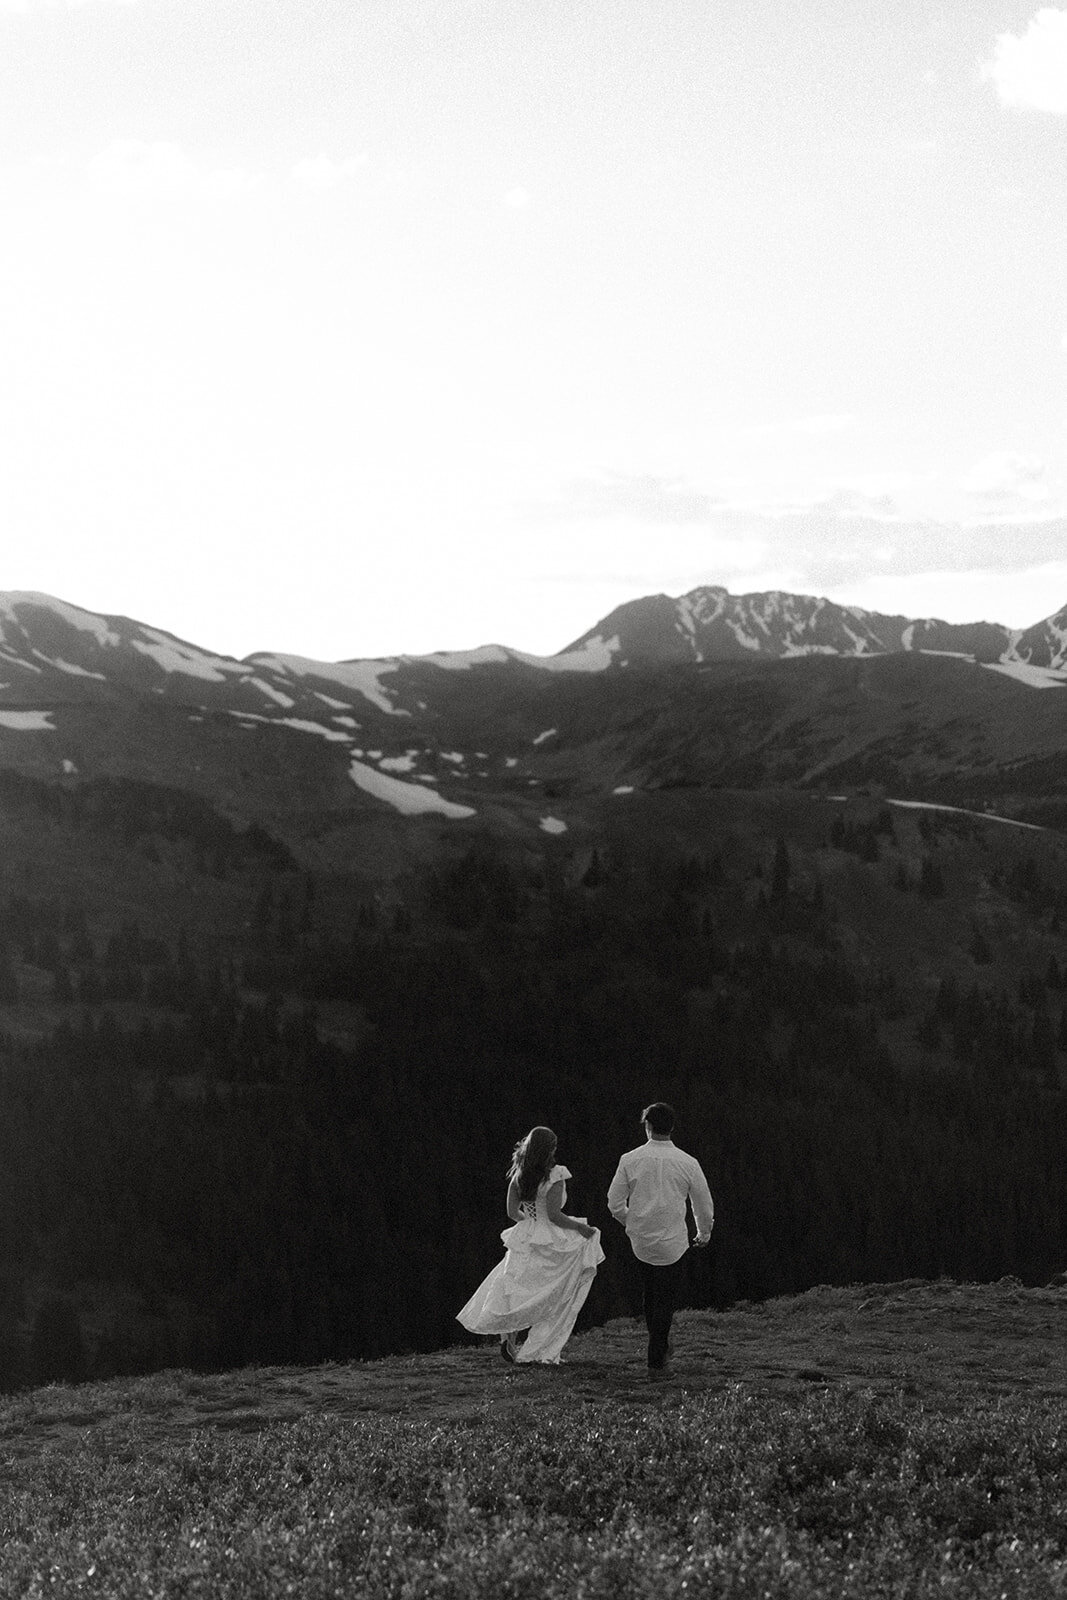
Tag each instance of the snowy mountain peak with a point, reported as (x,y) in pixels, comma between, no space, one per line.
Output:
(710,624)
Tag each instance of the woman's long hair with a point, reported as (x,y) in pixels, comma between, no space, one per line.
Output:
(532,1161)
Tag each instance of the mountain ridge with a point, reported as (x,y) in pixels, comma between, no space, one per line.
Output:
(707,690)
(707,623)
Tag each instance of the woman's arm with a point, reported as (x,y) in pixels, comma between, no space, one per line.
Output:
(513,1201)
(560,1218)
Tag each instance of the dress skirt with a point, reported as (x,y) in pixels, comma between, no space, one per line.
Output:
(541,1284)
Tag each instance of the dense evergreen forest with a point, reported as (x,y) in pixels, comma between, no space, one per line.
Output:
(198,1169)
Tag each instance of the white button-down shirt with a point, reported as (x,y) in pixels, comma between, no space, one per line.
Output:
(648,1195)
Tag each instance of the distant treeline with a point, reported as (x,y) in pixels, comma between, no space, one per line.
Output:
(133,808)
(217,1183)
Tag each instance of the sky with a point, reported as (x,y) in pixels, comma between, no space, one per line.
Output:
(351,328)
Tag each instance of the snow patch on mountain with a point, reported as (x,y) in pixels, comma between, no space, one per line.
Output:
(362,676)
(251,719)
(302,725)
(860,644)
(1033,677)
(84,621)
(595,655)
(284,700)
(553,825)
(68,666)
(960,811)
(743,637)
(408,798)
(791,650)
(27,721)
(464,660)
(173,656)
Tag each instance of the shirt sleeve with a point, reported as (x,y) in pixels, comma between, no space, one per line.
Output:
(619,1193)
(701,1201)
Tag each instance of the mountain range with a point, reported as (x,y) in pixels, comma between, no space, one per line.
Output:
(47,645)
(706,689)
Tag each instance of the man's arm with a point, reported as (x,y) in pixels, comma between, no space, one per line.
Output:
(703,1205)
(619,1194)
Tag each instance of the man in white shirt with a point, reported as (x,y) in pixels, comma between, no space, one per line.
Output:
(648,1195)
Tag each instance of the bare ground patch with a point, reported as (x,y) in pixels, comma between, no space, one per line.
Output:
(942,1340)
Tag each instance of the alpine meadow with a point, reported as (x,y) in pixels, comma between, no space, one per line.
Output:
(291,954)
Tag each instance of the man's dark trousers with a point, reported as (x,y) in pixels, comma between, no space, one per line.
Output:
(662,1287)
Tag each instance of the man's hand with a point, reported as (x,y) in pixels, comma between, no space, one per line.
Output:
(699,1242)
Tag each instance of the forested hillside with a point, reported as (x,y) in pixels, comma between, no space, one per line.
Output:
(278,1131)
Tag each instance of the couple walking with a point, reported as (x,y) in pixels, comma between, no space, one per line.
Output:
(551,1258)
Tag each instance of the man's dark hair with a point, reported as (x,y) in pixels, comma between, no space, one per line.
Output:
(659,1116)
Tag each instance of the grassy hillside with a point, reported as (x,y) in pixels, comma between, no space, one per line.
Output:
(897,1439)
(210,1055)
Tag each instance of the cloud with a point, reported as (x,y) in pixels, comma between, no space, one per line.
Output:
(130,167)
(642,497)
(659,500)
(322,172)
(857,502)
(1031,71)
(1006,475)
(517,199)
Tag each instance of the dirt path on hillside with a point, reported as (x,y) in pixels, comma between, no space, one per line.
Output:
(943,1340)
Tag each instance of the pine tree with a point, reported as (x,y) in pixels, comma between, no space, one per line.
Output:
(9,983)
(57,1348)
(780,871)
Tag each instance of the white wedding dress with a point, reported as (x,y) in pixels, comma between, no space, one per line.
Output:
(542,1282)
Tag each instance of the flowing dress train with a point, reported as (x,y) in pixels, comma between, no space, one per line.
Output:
(542,1282)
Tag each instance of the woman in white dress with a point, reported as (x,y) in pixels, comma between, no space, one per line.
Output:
(550,1263)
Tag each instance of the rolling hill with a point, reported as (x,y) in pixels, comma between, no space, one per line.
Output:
(901,1437)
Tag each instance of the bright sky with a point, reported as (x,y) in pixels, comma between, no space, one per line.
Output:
(358,327)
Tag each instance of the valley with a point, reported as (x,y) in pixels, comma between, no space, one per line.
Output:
(258,943)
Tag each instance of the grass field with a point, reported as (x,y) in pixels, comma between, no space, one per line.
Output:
(894,1440)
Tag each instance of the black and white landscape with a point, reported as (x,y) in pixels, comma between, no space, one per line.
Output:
(804,691)
(273,929)
(534,546)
